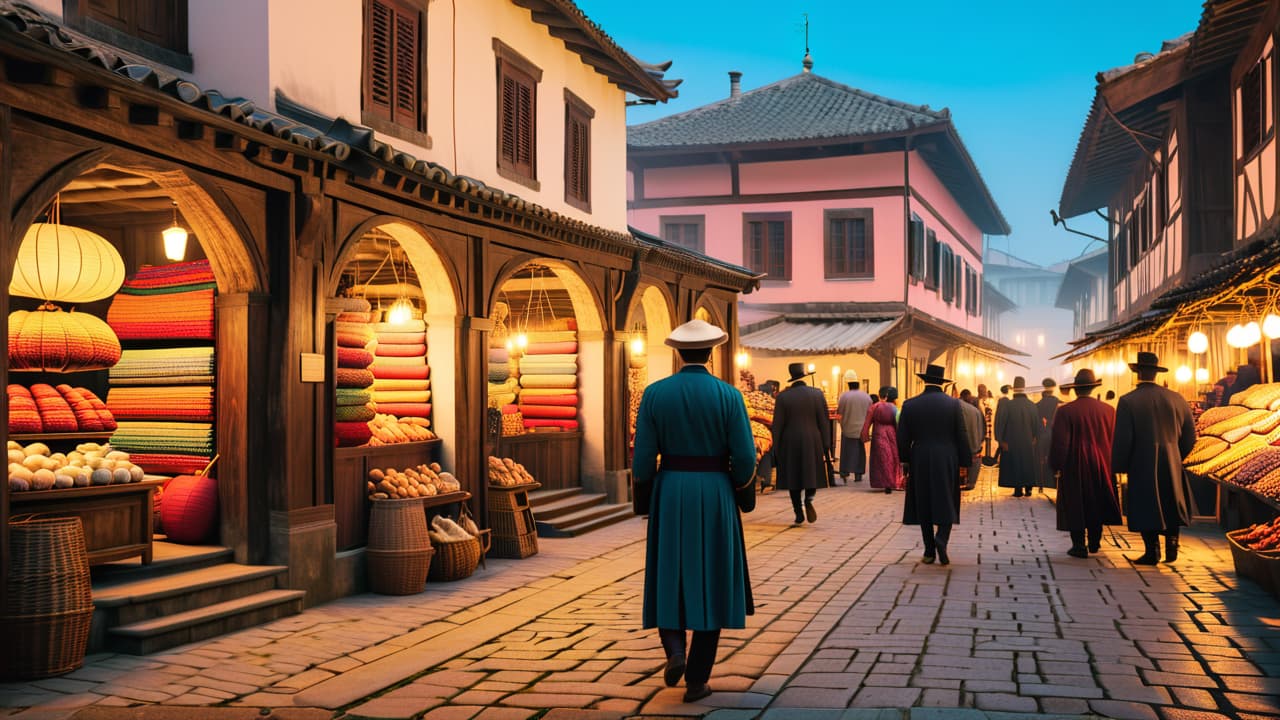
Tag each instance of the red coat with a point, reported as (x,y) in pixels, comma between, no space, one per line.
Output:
(1080,449)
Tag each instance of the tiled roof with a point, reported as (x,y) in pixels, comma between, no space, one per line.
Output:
(801,107)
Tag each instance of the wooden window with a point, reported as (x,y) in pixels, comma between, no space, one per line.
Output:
(1252,107)
(946,265)
(159,24)
(850,244)
(933,274)
(517,116)
(957,275)
(577,151)
(393,67)
(1159,187)
(766,244)
(684,230)
(916,265)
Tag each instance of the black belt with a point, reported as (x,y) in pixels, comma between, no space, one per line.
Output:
(695,463)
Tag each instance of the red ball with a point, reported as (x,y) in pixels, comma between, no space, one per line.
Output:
(189,512)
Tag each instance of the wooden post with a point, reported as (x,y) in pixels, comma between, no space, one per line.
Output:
(241,424)
(7,251)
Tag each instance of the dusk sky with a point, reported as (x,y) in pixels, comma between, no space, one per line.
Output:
(1017,75)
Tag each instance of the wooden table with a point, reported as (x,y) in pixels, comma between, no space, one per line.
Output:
(116,518)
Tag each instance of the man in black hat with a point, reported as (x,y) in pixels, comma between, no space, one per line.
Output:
(801,441)
(1154,432)
(934,448)
(1017,426)
(1080,451)
(1047,405)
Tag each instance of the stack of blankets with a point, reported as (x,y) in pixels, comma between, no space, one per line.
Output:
(502,381)
(46,409)
(163,397)
(548,375)
(353,402)
(401,375)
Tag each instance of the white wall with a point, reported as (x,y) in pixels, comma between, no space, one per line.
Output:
(229,47)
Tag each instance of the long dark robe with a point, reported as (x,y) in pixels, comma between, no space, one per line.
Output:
(1018,425)
(933,439)
(801,438)
(1045,406)
(1080,449)
(1154,432)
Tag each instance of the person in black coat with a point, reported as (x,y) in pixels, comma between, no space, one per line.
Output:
(1154,432)
(801,441)
(934,448)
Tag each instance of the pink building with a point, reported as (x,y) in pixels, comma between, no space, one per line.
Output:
(866,216)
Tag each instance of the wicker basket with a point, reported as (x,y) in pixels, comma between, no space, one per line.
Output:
(398,572)
(515,548)
(398,525)
(49,603)
(508,498)
(455,560)
(1262,567)
(509,524)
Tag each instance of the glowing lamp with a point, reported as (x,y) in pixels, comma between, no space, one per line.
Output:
(510,346)
(522,341)
(401,312)
(175,239)
(1198,342)
(1182,374)
(66,264)
(812,367)
(742,359)
(1271,326)
(1202,375)
(999,375)
(637,346)
(835,370)
(1253,333)
(981,370)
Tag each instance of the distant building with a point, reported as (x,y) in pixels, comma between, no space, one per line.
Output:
(1035,325)
(1084,293)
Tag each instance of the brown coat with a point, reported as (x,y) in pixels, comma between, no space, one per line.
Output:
(1080,450)
(801,438)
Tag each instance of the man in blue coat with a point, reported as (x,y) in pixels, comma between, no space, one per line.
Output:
(934,448)
(695,575)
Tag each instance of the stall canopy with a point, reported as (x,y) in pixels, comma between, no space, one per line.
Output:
(818,336)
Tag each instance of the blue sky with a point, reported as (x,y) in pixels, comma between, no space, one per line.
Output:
(1018,75)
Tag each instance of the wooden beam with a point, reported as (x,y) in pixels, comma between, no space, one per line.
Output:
(553,19)
(70,197)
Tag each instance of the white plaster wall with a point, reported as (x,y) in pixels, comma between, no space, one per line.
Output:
(230,48)
(315,54)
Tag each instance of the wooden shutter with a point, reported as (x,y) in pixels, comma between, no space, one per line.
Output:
(516,121)
(916,248)
(393,62)
(160,22)
(932,268)
(406,69)
(577,160)
(380,68)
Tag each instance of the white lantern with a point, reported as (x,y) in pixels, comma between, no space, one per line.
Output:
(1235,336)
(637,346)
(1202,375)
(66,264)
(1271,326)
(1253,334)
(1182,374)
(1198,342)
(401,312)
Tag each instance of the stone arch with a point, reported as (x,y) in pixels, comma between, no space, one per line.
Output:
(588,309)
(657,308)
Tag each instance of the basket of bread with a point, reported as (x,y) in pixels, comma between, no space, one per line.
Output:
(457,545)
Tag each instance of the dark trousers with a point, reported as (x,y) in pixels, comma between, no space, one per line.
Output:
(702,652)
(1151,541)
(853,456)
(1094,535)
(795,500)
(932,541)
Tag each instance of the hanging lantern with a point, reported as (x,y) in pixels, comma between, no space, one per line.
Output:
(50,340)
(401,312)
(1202,375)
(1271,326)
(1253,334)
(175,239)
(62,263)
(1198,342)
(637,346)
(1182,374)
(1235,337)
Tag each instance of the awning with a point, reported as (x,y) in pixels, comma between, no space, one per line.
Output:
(817,338)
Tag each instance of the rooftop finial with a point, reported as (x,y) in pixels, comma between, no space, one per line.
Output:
(808,59)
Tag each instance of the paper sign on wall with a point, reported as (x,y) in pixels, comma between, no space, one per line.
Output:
(312,367)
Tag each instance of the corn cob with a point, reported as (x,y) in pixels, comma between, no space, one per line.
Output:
(1206,448)
(1244,419)
(1267,424)
(1257,396)
(1218,414)
(1232,456)
(1235,435)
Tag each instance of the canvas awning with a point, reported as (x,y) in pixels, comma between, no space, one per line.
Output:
(819,337)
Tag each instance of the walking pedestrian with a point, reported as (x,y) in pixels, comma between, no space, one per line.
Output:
(801,441)
(695,575)
(1154,432)
(881,427)
(1046,407)
(934,448)
(1080,452)
(1017,426)
(852,407)
(976,429)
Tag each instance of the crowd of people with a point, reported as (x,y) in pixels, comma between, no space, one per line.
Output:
(695,457)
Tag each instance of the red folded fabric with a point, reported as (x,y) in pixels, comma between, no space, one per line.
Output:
(353,316)
(401,372)
(104,414)
(353,378)
(421,410)
(392,350)
(352,340)
(402,338)
(357,358)
(548,411)
(351,434)
(552,348)
(86,417)
(542,422)
(172,275)
(168,464)
(569,400)
(55,414)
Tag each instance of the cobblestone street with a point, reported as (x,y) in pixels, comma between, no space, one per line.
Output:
(848,620)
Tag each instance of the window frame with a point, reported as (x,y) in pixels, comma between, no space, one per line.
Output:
(389,121)
(576,110)
(932,262)
(1250,146)
(917,250)
(700,221)
(76,14)
(867,215)
(509,63)
(767,217)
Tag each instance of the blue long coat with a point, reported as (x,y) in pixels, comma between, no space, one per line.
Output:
(695,574)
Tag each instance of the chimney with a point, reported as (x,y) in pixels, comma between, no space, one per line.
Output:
(735,83)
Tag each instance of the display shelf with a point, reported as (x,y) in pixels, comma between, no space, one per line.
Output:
(552,458)
(351,466)
(44,437)
(116,518)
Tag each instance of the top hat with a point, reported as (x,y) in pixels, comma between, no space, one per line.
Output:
(1048,383)
(796,370)
(934,375)
(695,335)
(1084,378)
(1147,361)
(851,376)
(1019,383)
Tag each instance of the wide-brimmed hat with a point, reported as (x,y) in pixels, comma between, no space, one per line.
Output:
(934,375)
(1084,378)
(797,371)
(695,335)
(1048,383)
(1147,361)
(851,376)
(1019,383)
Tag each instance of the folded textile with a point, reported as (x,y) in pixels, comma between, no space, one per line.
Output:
(170,275)
(400,396)
(499,355)
(87,418)
(410,361)
(549,423)
(410,384)
(185,402)
(548,411)
(401,338)
(353,413)
(544,369)
(568,400)
(549,381)
(167,379)
(55,414)
(552,336)
(550,359)
(405,327)
(353,378)
(352,340)
(149,362)
(108,420)
(351,396)
(501,398)
(175,438)
(351,434)
(184,306)
(352,316)
(421,410)
(400,372)
(547,391)
(499,374)
(353,334)
(166,330)
(392,350)
(169,464)
(358,358)
(350,304)
(552,348)
(510,385)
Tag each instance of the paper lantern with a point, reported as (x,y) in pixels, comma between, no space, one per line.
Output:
(68,264)
(50,340)
(1182,374)
(1271,326)
(1202,375)
(190,509)
(1198,342)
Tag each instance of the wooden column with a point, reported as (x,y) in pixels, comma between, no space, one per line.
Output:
(241,429)
(617,470)
(472,402)
(6,251)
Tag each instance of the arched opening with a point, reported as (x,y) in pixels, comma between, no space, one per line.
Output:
(649,358)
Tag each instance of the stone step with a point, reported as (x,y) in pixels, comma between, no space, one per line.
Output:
(134,600)
(166,558)
(149,636)
(615,514)
(567,506)
(538,498)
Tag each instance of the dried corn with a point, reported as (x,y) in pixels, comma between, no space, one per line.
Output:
(1206,448)
(1218,414)
(1244,419)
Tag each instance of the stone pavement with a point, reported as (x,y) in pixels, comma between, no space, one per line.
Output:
(849,625)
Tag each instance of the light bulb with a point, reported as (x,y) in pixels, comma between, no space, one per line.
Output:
(835,369)
(637,346)
(1198,342)
(522,341)
(1202,375)
(981,370)
(999,375)
(510,346)
(1182,374)
(1235,336)
(812,367)
(1271,326)
(401,312)
(742,359)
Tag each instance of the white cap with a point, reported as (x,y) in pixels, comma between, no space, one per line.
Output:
(696,334)
(851,376)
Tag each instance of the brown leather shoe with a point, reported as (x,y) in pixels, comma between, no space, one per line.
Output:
(694,693)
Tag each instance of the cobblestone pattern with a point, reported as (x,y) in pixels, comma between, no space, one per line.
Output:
(848,622)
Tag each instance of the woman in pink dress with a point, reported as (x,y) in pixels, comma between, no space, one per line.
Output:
(882,428)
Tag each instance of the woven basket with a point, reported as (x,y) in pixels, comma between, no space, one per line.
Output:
(516,548)
(509,498)
(49,603)
(398,525)
(511,524)
(398,572)
(455,560)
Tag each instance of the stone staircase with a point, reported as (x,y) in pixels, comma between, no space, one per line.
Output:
(571,511)
(187,593)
